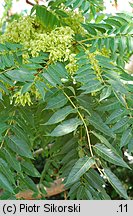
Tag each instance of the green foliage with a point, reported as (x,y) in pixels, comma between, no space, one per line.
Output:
(66,92)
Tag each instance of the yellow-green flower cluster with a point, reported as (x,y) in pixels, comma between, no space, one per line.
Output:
(19,31)
(35,38)
(72,66)
(22,98)
(95,64)
(58,43)
(74,20)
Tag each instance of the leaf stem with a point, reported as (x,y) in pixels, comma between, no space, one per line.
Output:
(86,129)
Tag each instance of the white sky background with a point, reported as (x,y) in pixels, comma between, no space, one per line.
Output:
(21,5)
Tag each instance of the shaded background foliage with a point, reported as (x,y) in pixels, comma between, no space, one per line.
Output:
(64,90)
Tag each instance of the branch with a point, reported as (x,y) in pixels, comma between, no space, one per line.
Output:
(30,3)
(56,188)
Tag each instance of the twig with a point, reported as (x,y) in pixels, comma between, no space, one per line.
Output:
(87,133)
(30,3)
(56,188)
(38,151)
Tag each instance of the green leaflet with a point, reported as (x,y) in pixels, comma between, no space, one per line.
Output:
(4,183)
(57,101)
(29,183)
(29,168)
(88,194)
(77,4)
(80,168)
(72,154)
(55,74)
(109,156)
(66,127)
(115,115)
(5,169)
(118,86)
(68,3)
(94,180)
(3,87)
(85,6)
(106,92)
(73,188)
(120,124)
(113,22)
(98,123)
(85,69)
(110,105)
(12,161)
(19,146)
(32,66)
(90,29)
(113,45)
(52,77)
(7,60)
(40,59)
(81,193)
(126,136)
(105,142)
(60,115)
(47,18)
(26,87)
(99,18)
(0,96)
(3,127)
(20,132)
(41,88)
(6,80)
(70,144)
(21,75)
(130,145)
(66,168)
(115,182)
(91,86)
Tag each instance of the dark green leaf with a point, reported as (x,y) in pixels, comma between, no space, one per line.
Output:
(21,75)
(98,123)
(19,146)
(60,115)
(80,168)
(26,87)
(66,127)
(109,156)
(5,169)
(57,101)
(41,88)
(105,142)
(46,18)
(29,168)
(4,183)
(12,161)
(126,136)
(116,184)
(29,183)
